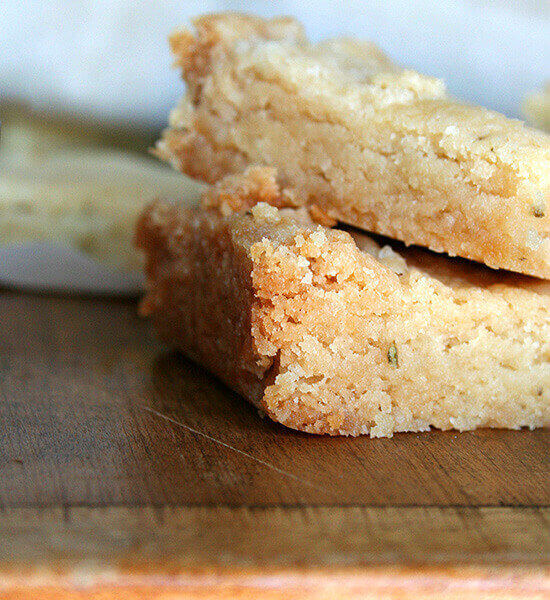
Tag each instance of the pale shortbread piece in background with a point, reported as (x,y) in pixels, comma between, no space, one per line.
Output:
(58,186)
(371,144)
(328,333)
(536,108)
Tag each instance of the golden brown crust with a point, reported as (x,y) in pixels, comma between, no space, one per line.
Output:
(371,145)
(329,333)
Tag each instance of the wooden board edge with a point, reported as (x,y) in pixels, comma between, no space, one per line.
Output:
(379,583)
(313,552)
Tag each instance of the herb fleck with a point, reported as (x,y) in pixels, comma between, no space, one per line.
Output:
(392,355)
(538,211)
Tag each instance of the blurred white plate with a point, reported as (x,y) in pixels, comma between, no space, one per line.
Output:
(43,266)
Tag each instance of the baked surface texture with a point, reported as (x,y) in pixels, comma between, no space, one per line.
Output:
(327,332)
(371,144)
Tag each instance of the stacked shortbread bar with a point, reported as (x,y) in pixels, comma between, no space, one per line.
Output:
(323,329)
(330,333)
(368,143)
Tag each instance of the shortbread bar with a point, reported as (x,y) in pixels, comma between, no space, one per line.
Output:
(370,144)
(58,185)
(329,333)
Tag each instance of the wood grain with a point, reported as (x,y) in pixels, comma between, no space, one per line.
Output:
(80,377)
(145,539)
(131,467)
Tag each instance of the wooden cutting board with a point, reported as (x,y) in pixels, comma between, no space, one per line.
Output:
(128,472)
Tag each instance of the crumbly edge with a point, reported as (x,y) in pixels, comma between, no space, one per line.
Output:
(200,293)
(504,223)
(328,339)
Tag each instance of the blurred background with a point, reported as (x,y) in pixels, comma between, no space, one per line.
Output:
(109,59)
(85,83)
